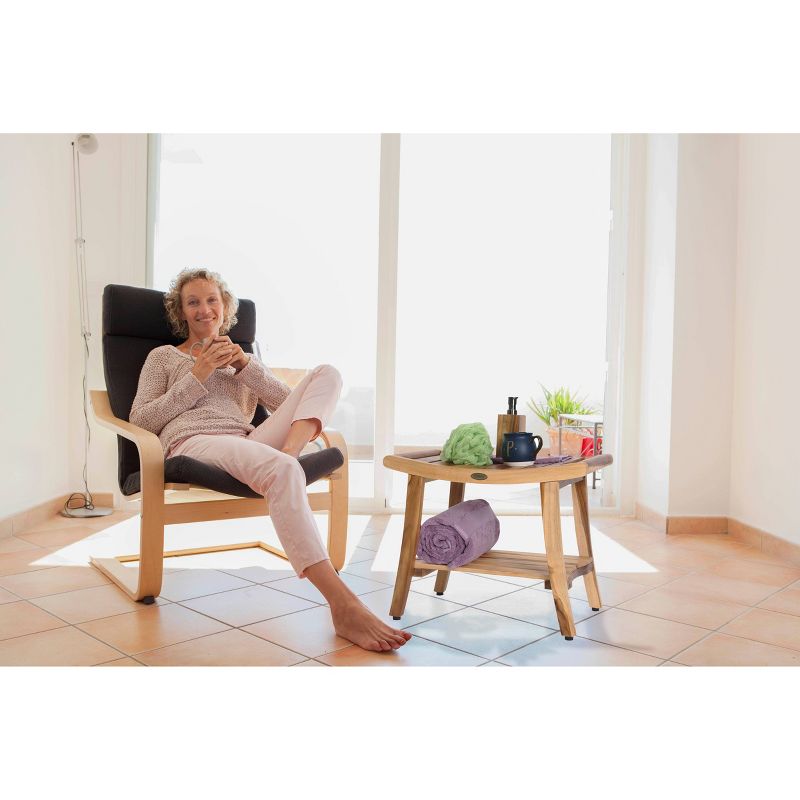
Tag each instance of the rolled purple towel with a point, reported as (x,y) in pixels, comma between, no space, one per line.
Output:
(459,535)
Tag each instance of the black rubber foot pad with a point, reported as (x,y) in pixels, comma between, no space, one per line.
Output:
(595,609)
(395,617)
(149,600)
(439,594)
(568,638)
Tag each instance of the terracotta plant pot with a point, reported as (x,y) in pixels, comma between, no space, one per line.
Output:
(570,442)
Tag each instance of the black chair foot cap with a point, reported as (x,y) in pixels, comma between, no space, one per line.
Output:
(149,600)
(395,617)
(568,638)
(439,594)
(595,609)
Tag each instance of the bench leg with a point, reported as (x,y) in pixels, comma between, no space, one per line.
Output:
(408,550)
(580,509)
(443,575)
(551,518)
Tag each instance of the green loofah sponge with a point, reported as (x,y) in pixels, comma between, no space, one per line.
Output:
(469,444)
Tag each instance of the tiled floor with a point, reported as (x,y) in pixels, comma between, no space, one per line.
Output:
(688,600)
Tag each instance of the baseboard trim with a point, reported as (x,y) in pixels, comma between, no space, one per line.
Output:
(651,518)
(768,543)
(680,526)
(23,520)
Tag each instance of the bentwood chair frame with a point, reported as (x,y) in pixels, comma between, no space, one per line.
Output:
(167,502)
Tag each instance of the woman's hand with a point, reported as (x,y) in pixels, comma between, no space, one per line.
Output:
(215,354)
(239,359)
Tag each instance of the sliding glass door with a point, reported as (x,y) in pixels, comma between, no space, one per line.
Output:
(501,277)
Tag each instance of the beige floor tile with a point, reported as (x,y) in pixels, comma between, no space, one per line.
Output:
(310,632)
(58,537)
(524,583)
(770,627)
(250,564)
(716,543)
(231,648)
(11,544)
(717,587)
(556,651)
(310,663)
(302,587)
(364,570)
(492,664)
(419,607)
(22,618)
(764,558)
(672,555)
(756,572)
(691,609)
(245,606)
(186,584)
(63,647)
(635,533)
(671,664)
(480,632)
(612,592)
(786,601)
(657,575)
(156,626)
(464,588)
(121,662)
(720,650)
(53,581)
(652,636)
(83,605)
(606,523)
(29,561)
(370,541)
(416,652)
(535,606)
(359,555)
(7,597)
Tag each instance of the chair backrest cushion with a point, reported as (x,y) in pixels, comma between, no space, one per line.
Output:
(134,323)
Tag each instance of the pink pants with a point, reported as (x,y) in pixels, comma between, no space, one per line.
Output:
(256,460)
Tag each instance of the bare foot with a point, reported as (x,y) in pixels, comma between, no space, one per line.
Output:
(356,623)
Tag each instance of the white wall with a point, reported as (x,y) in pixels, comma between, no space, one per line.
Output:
(702,370)
(41,420)
(36,257)
(765,456)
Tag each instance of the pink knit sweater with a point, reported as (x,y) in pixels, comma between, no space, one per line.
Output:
(172,403)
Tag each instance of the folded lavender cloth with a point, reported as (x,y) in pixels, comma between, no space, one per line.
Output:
(459,535)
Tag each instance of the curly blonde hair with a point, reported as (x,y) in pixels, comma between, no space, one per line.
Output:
(173,303)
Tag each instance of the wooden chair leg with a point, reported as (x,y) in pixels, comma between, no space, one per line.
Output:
(443,575)
(551,519)
(408,550)
(338,516)
(580,510)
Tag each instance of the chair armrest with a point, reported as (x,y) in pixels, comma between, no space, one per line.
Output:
(334,438)
(151,453)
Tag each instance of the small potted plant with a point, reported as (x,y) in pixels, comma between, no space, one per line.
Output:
(561,401)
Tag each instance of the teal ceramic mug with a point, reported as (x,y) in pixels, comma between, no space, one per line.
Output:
(520,446)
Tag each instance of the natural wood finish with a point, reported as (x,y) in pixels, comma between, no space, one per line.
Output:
(556,564)
(507,423)
(511,562)
(415,494)
(496,473)
(580,511)
(162,504)
(443,575)
(557,569)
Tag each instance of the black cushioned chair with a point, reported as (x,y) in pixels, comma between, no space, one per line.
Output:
(134,323)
